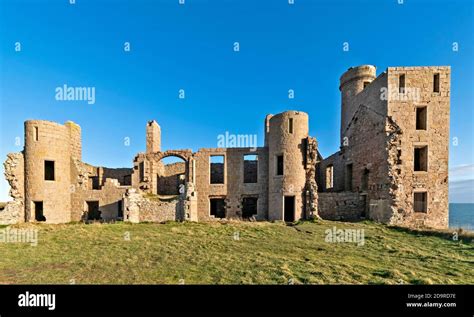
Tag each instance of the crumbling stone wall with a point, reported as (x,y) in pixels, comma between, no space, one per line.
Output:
(138,208)
(109,198)
(14,211)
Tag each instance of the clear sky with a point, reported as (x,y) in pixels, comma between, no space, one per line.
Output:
(191,47)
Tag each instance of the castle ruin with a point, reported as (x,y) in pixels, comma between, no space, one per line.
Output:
(392,166)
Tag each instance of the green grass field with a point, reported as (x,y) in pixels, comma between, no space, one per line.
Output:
(234,253)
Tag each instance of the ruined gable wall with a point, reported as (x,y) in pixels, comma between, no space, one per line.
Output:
(370,142)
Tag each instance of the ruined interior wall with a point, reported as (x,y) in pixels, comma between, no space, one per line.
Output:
(123,175)
(234,187)
(336,160)
(109,198)
(436,137)
(14,211)
(340,206)
(169,178)
(364,144)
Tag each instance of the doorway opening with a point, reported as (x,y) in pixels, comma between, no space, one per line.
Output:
(289,209)
(39,215)
(93,212)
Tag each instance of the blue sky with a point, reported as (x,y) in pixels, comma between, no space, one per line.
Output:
(190,47)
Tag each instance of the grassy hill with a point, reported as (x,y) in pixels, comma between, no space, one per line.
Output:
(233,253)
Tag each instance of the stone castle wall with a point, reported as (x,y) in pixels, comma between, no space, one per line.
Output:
(373,172)
(343,206)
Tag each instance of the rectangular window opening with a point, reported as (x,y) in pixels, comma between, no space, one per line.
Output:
(217,207)
(36,134)
(421,117)
(364,184)
(290,125)
(421,159)
(420,203)
(249,207)
(348,177)
(142,171)
(436,82)
(250,168)
(94,182)
(49,170)
(279,163)
(217,169)
(401,84)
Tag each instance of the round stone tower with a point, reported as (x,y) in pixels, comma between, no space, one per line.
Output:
(49,148)
(352,82)
(286,136)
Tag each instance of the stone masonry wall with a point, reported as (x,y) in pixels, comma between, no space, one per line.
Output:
(141,209)
(109,197)
(434,181)
(340,206)
(234,188)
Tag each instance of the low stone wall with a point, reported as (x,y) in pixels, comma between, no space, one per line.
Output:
(341,206)
(141,209)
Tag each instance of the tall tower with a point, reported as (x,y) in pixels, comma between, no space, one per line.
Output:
(48,170)
(352,82)
(153,137)
(286,176)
